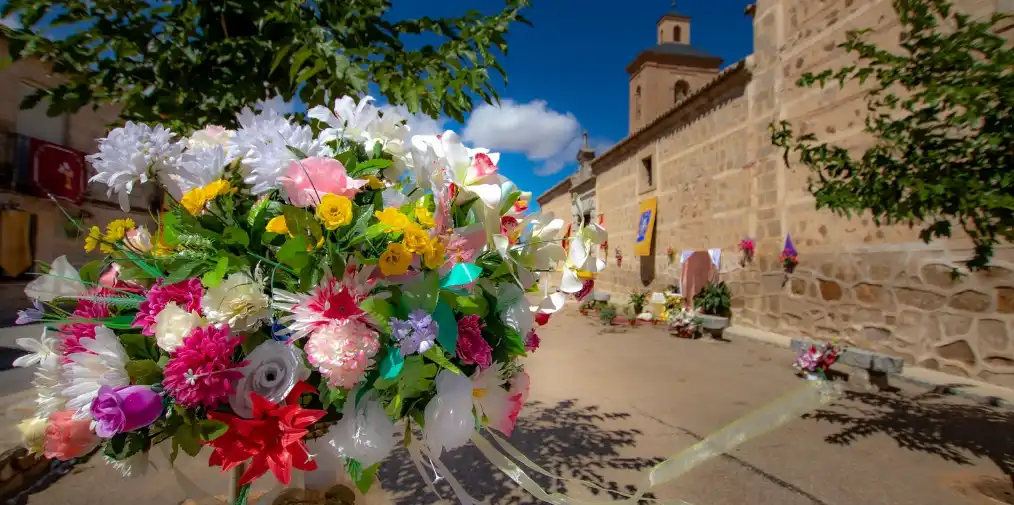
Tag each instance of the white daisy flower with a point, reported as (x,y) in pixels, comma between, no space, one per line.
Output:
(265,141)
(103,365)
(132,155)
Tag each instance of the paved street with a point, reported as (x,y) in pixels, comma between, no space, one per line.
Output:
(606,406)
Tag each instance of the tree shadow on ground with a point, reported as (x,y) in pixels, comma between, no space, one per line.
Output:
(930,422)
(566,439)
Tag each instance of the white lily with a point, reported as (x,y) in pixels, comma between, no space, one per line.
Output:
(41,351)
(348,119)
(62,281)
(474,171)
(581,264)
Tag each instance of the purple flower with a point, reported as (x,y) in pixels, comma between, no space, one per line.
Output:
(416,334)
(123,409)
(27,316)
(789,250)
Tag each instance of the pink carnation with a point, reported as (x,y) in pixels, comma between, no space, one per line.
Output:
(472,348)
(306,180)
(532,341)
(201,371)
(342,351)
(187,294)
(74,332)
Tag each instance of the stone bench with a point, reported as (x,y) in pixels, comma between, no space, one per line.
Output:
(874,366)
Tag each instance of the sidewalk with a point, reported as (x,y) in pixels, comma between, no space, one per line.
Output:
(924,377)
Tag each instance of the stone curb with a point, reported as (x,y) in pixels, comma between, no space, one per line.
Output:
(940,382)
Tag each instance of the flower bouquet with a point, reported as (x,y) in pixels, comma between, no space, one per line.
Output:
(325,280)
(747,247)
(813,363)
(789,257)
(683,323)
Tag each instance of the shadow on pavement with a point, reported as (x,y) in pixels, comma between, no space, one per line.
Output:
(926,422)
(566,439)
(7,357)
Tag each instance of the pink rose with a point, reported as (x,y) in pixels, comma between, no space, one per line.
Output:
(305,181)
(67,438)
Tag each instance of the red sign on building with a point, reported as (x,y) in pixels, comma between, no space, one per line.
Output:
(57,170)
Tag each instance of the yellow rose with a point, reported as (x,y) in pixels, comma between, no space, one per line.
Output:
(395,260)
(93,240)
(416,239)
(33,434)
(425,218)
(217,188)
(435,255)
(278,225)
(393,218)
(374,182)
(334,211)
(194,201)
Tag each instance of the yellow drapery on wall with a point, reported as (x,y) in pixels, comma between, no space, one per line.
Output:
(645,227)
(16,255)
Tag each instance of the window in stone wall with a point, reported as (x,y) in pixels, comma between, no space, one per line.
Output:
(680,90)
(647,174)
(677,33)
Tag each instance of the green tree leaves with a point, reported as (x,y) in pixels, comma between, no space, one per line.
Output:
(188,64)
(940,112)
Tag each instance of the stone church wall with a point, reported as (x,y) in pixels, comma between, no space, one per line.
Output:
(718,180)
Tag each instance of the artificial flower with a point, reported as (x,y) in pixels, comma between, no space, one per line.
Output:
(33,434)
(424,216)
(273,369)
(541,318)
(61,281)
(132,155)
(187,295)
(416,239)
(202,164)
(31,315)
(448,420)
(343,351)
(271,440)
(395,260)
(68,437)
(515,312)
(102,363)
(472,348)
(42,350)
(202,371)
(334,211)
(238,301)
(474,171)
(82,327)
(117,230)
(218,188)
(348,119)
(492,401)
(209,136)
(364,433)
(266,141)
(307,181)
(278,225)
(374,183)
(48,383)
(194,201)
(173,324)
(123,409)
(416,334)
(94,240)
(392,218)
(435,255)
(139,240)
(532,341)
(331,302)
(581,264)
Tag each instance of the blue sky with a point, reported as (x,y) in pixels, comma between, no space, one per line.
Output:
(572,63)
(567,75)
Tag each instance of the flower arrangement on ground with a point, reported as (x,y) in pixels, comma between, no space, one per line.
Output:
(683,323)
(342,274)
(815,361)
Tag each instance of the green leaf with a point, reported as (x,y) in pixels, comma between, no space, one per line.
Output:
(181,271)
(209,429)
(236,236)
(437,355)
(170,227)
(188,439)
(90,271)
(393,407)
(125,445)
(253,340)
(302,223)
(380,309)
(214,277)
(416,377)
(293,253)
(332,397)
(122,322)
(365,481)
(139,347)
(144,372)
(374,231)
(422,294)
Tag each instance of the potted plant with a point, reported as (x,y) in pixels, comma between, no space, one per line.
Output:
(714,304)
(607,314)
(637,300)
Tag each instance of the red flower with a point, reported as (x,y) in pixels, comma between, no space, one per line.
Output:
(542,318)
(272,440)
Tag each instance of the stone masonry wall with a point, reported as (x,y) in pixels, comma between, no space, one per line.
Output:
(718,180)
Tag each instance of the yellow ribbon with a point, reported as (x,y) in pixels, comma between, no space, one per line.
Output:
(766,419)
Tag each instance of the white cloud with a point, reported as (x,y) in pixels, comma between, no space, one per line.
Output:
(418,124)
(544,135)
